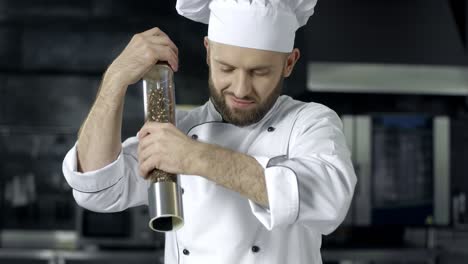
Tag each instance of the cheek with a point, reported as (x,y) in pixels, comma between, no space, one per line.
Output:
(264,86)
(220,81)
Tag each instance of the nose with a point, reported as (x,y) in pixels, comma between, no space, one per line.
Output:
(242,86)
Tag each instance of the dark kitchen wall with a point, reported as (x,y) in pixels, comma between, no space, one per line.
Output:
(398,31)
(53,53)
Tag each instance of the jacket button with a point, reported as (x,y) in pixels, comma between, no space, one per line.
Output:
(186,252)
(271,129)
(255,249)
(194,136)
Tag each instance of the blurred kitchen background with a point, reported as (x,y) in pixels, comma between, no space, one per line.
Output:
(396,72)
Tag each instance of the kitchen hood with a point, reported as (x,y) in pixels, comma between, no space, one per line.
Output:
(387,78)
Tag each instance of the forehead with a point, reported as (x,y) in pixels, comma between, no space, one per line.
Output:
(245,57)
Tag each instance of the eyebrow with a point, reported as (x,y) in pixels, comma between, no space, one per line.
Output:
(260,67)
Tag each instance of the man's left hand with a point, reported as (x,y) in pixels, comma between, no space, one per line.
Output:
(163,146)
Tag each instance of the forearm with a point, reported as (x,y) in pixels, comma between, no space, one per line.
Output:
(99,139)
(233,170)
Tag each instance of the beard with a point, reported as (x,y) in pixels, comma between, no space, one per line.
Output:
(240,117)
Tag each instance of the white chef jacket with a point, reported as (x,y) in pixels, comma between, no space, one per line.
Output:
(309,177)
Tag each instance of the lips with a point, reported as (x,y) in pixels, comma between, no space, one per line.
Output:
(242,101)
(239,103)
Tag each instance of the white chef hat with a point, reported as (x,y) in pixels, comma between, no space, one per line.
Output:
(259,24)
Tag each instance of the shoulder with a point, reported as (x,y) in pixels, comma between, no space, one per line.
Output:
(306,112)
(188,118)
(318,125)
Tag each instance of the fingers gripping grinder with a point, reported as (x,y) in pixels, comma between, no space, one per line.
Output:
(164,195)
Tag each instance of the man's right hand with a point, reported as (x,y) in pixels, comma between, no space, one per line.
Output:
(144,50)
(99,139)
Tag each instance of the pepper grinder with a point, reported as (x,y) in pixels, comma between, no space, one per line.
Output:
(164,193)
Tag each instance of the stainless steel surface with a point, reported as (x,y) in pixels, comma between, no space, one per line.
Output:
(387,78)
(14,255)
(363,154)
(452,240)
(394,255)
(58,239)
(417,255)
(442,170)
(64,256)
(348,130)
(165,205)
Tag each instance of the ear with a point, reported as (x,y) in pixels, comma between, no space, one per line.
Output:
(206,42)
(291,60)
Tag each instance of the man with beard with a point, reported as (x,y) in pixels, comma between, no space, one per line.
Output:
(264,176)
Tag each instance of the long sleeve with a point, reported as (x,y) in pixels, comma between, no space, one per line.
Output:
(314,183)
(113,188)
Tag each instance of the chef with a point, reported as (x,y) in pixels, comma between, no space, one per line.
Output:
(264,175)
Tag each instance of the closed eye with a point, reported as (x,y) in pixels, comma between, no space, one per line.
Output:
(226,69)
(261,72)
